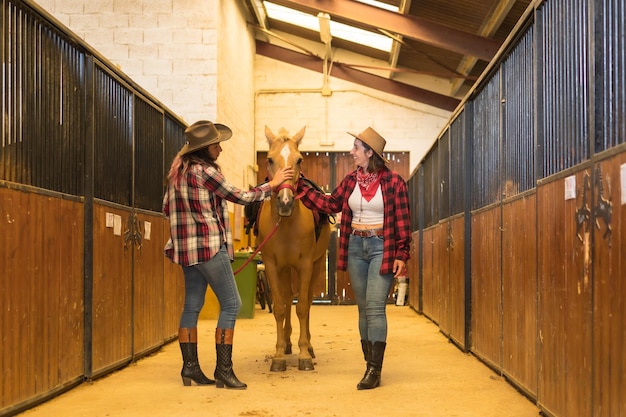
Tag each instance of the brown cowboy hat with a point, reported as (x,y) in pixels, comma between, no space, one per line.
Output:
(372,139)
(204,133)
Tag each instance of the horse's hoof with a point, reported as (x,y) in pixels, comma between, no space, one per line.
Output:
(305,364)
(278,365)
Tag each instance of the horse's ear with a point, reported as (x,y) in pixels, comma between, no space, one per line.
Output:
(269,135)
(298,136)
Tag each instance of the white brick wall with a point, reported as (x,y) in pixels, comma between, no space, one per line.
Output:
(166,46)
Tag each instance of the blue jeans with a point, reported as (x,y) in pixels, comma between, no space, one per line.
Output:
(217,273)
(371,289)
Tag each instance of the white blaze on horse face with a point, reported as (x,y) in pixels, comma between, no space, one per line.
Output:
(285,152)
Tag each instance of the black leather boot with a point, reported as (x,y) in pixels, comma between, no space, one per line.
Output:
(188,340)
(224,374)
(371,379)
(366,346)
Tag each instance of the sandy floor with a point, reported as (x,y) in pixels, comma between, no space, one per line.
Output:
(423,375)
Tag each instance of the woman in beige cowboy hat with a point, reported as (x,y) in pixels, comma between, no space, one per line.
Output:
(374,242)
(201,242)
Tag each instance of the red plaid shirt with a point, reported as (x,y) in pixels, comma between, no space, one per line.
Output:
(198,214)
(397,216)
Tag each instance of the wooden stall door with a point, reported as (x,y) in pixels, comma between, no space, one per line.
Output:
(427,273)
(441,284)
(519,292)
(609,294)
(564,296)
(148,284)
(173,289)
(41,293)
(457,282)
(486,286)
(413,268)
(112,289)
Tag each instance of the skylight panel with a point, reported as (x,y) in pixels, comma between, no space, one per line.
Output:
(337,30)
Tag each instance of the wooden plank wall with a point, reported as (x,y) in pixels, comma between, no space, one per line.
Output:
(428,297)
(148,286)
(41,293)
(173,290)
(519,292)
(565,296)
(456,278)
(413,268)
(112,291)
(486,284)
(609,295)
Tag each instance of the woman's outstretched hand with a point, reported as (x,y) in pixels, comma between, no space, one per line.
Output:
(280,176)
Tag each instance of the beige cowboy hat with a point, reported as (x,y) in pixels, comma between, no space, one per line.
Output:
(204,133)
(372,139)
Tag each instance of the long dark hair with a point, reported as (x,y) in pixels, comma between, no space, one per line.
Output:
(376,163)
(182,163)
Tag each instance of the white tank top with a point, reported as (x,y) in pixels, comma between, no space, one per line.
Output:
(366,212)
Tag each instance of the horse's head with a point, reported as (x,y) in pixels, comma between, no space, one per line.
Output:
(284,152)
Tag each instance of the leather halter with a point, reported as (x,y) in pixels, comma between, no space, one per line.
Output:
(283,186)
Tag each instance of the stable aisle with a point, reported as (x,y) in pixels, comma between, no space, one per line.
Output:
(423,375)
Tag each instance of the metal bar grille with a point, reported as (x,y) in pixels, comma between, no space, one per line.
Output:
(519,119)
(113,139)
(443,175)
(563,68)
(610,74)
(148,185)
(486,145)
(414,190)
(431,191)
(174,140)
(43,105)
(457,164)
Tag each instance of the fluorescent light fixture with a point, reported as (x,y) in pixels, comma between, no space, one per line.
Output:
(380,5)
(338,30)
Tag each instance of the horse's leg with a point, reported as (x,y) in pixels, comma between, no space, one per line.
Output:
(283,343)
(305,360)
(279,363)
(285,278)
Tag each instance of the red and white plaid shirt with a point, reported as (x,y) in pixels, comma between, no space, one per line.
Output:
(198,214)
(397,216)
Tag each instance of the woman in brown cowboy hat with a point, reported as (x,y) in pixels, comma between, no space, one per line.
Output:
(201,242)
(374,242)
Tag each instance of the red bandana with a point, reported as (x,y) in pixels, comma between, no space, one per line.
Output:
(368,182)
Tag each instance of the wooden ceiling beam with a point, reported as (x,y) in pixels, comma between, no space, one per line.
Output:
(347,73)
(412,27)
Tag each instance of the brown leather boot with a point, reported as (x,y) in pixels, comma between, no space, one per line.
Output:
(224,374)
(188,340)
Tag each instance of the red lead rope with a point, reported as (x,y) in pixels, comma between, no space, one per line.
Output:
(258,249)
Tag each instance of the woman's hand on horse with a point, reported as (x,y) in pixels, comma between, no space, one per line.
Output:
(282,175)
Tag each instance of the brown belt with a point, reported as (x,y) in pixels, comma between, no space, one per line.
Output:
(367,232)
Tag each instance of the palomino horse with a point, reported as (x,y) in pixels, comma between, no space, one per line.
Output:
(295,245)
